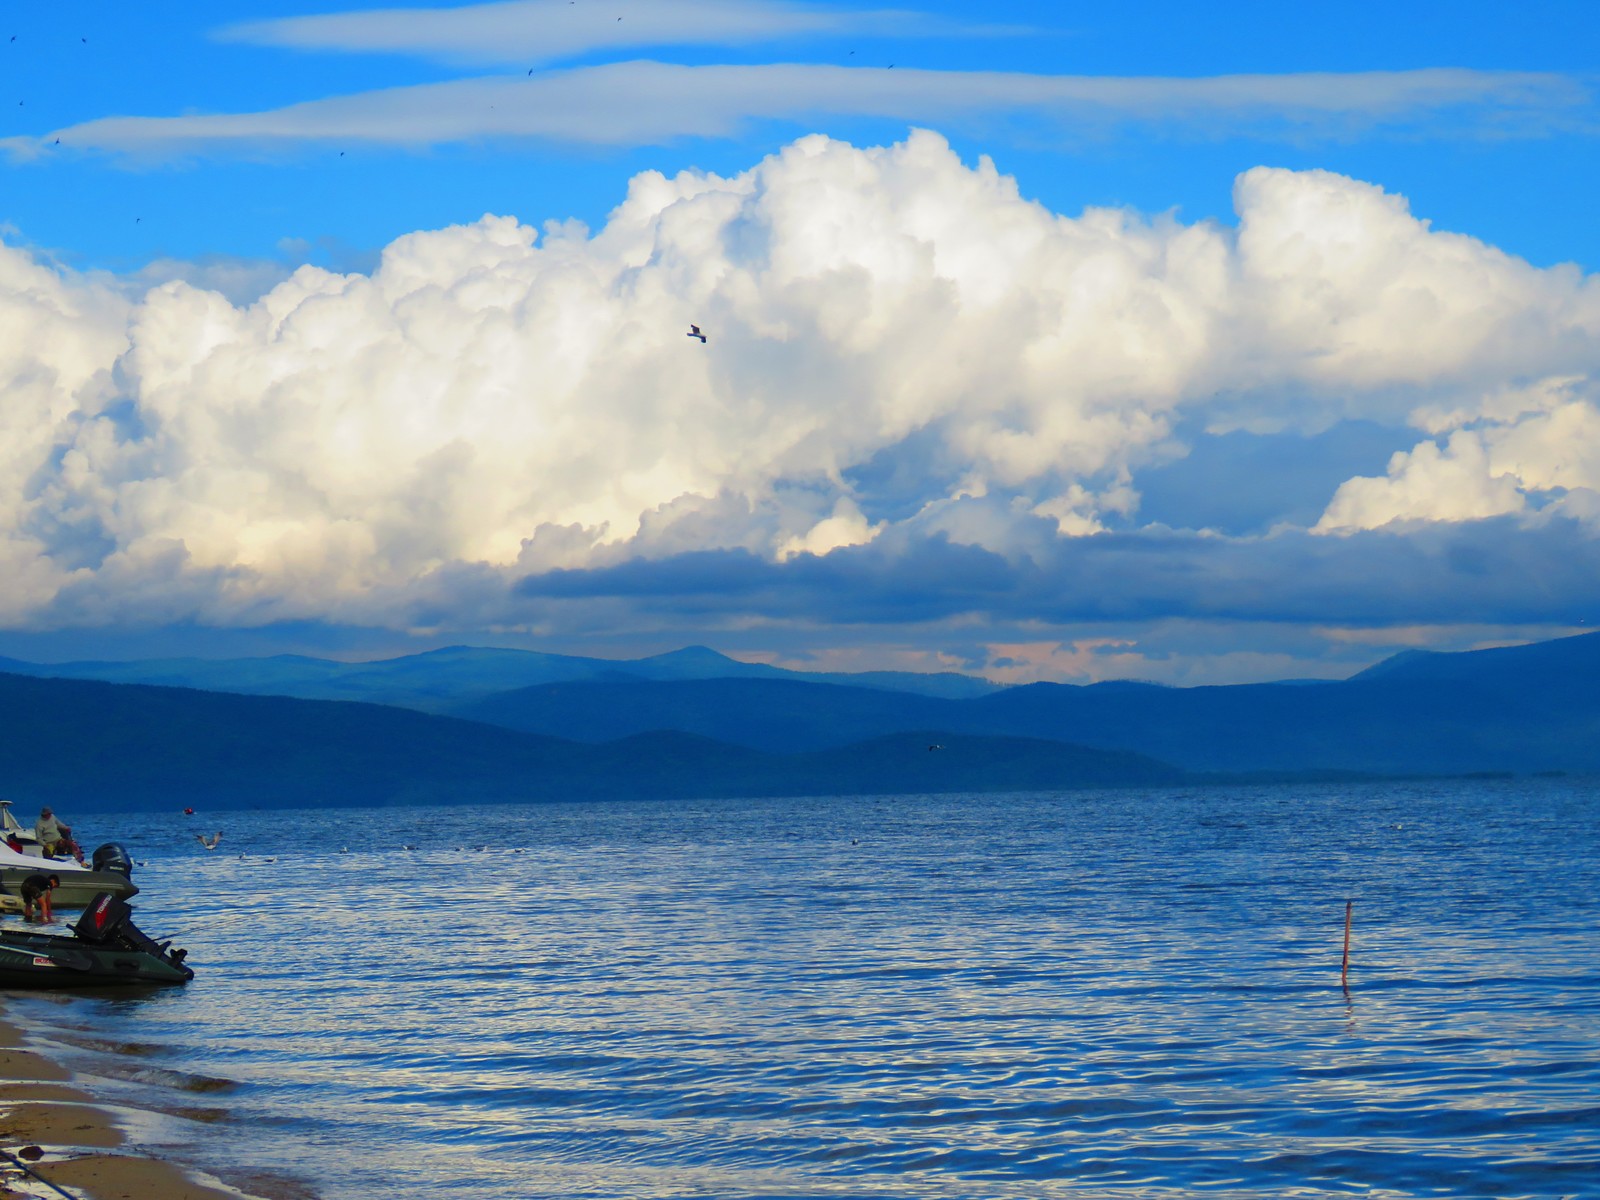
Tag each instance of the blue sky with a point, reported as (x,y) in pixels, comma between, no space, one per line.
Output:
(210,466)
(1521,184)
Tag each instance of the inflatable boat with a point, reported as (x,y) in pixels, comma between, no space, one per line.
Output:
(104,948)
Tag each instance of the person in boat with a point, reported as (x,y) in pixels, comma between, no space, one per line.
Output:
(55,839)
(36,891)
(13,841)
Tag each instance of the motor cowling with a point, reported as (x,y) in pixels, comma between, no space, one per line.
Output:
(113,857)
(104,918)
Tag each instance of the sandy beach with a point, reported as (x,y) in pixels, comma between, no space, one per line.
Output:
(84,1153)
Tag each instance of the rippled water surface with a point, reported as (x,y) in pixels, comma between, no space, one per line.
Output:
(1116,994)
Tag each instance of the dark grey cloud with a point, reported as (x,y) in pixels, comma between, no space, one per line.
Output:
(1502,570)
(926,579)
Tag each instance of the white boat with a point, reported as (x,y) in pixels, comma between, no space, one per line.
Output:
(79,883)
(11,828)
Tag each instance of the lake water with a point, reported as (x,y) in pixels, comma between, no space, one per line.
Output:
(1096,995)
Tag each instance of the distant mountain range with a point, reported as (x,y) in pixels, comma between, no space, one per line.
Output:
(91,746)
(1522,708)
(441,679)
(465,725)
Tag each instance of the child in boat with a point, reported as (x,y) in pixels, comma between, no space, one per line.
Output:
(36,891)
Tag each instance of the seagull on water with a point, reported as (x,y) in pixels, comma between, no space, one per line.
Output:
(694,331)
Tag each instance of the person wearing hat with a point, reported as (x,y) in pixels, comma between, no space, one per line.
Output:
(54,838)
(36,891)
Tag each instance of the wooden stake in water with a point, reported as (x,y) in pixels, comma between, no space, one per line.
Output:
(1344,967)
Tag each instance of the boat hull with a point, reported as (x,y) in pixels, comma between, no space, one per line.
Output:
(46,960)
(78,886)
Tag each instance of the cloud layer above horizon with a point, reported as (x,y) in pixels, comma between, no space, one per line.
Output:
(644,103)
(539,31)
(924,398)
(565,74)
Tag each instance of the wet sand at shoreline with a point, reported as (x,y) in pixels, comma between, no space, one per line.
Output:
(84,1149)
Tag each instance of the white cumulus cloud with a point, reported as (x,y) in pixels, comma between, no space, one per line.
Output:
(1503,463)
(494,399)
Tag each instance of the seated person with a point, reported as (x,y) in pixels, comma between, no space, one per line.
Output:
(55,839)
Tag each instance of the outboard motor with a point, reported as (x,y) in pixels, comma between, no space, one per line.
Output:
(112,857)
(109,921)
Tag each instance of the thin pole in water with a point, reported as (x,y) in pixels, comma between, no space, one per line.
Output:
(1344,967)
